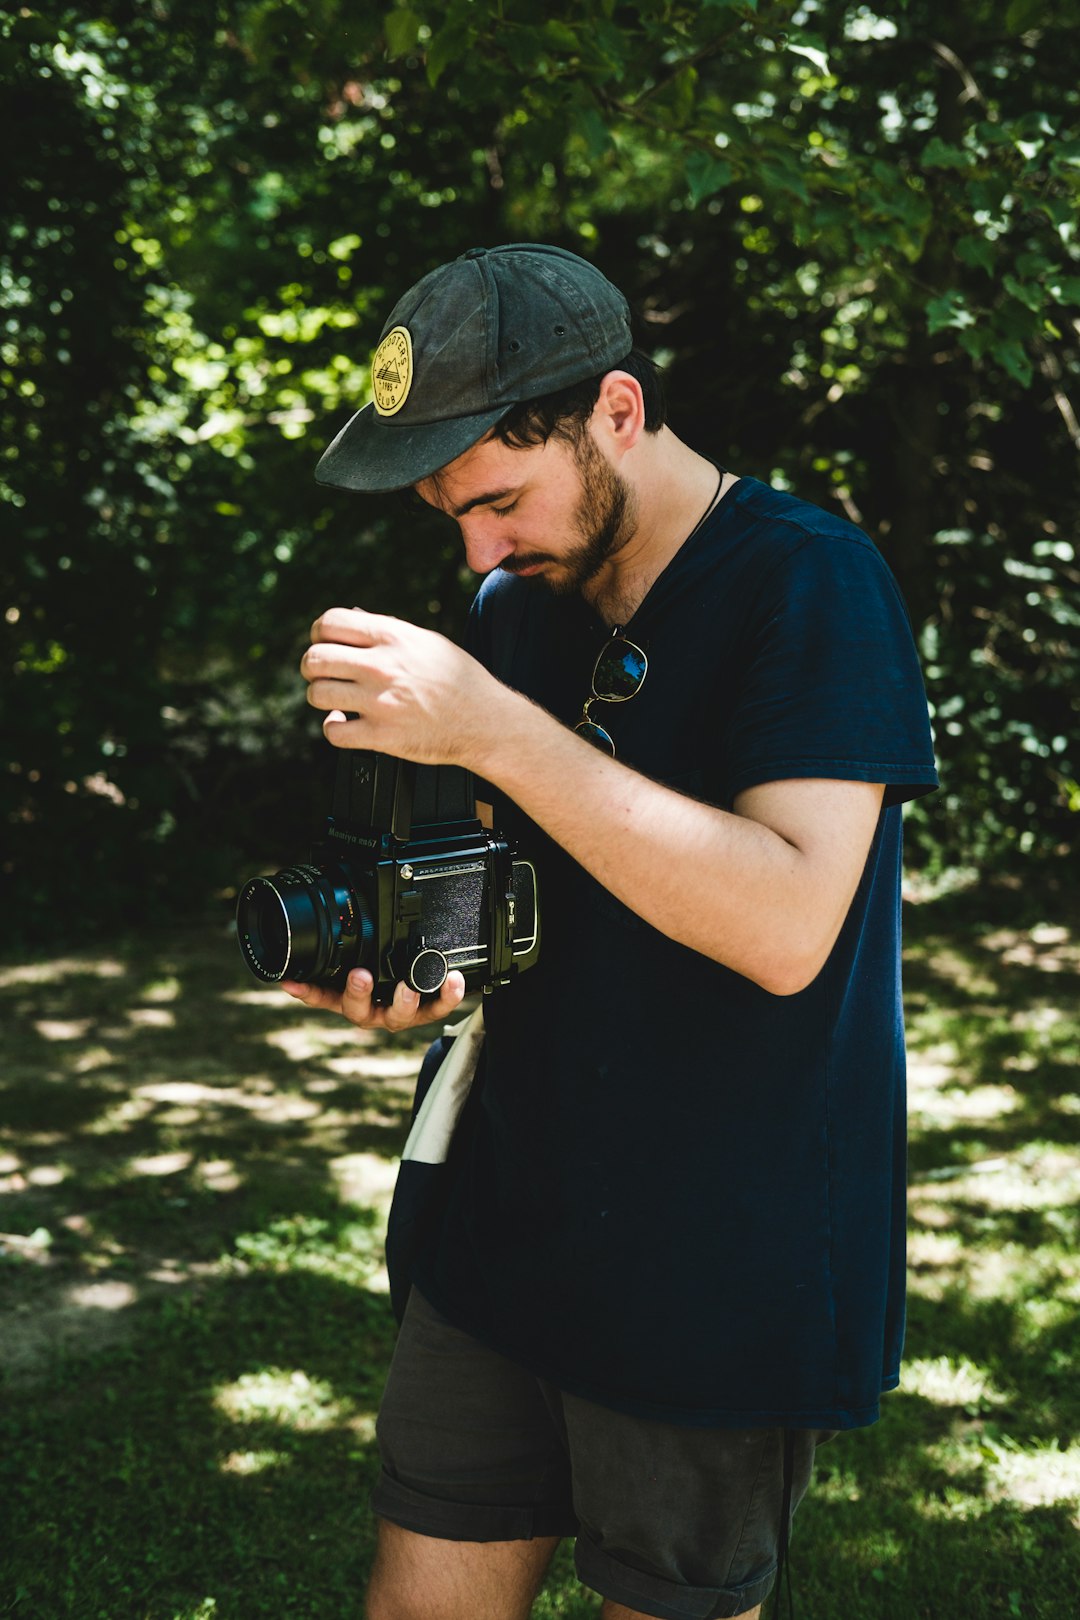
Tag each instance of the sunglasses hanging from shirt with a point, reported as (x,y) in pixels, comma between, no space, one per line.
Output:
(618,675)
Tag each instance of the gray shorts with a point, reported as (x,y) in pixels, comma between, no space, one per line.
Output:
(676,1522)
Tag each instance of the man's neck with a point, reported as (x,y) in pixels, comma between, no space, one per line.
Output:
(674,491)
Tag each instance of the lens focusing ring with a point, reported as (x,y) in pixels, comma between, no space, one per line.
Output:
(304,922)
(260,901)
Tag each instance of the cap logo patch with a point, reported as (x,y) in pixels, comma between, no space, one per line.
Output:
(392,371)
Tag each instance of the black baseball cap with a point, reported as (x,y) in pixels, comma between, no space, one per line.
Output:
(498,326)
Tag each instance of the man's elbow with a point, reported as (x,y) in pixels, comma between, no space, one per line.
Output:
(787,971)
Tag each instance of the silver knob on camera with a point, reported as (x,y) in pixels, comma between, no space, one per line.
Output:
(428,971)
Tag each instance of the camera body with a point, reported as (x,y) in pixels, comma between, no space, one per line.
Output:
(405,882)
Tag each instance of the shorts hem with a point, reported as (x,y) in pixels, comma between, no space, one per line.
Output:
(836,1417)
(668,1600)
(467,1521)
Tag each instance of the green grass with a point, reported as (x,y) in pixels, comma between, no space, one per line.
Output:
(194,1181)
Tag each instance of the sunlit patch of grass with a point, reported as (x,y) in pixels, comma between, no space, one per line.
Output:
(1036,1475)
(307,1039)
(1005,1469)
(348,1250)
(254,1462)
(57,969)
(952,1381)
(944,1102)
(290,1398)
(166,988)
(62,1029)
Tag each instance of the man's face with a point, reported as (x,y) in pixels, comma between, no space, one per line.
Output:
(556,511)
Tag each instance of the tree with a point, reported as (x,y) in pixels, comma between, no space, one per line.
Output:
(852,239)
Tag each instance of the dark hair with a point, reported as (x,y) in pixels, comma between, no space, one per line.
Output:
(563,415)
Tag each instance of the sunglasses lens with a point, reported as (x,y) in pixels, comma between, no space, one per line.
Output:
(620,670)
(596,735)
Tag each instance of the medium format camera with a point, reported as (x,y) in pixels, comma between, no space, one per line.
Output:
(405,882)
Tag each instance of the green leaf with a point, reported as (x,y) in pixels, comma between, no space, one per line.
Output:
(1022,14)
(976,340)
(1066,156)
(1033,263)
(949,310)
(1026,291)
(593,130)
(683,94)
(706,175)
(1015,360)
(812,46)
(1065,289)
(1015,319)
(1058,210)
(561,38)
(402,30)
(524,46)
(611,42)
(786,175)
(938,154)
(987,192)
(449,45)
(978,252)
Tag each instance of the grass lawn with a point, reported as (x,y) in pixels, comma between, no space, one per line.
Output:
(195,1175)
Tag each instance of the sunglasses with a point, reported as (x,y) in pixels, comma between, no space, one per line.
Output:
(618,675)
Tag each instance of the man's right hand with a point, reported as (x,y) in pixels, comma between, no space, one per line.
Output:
(408,1010)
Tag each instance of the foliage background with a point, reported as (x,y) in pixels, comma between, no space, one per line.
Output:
(850,235)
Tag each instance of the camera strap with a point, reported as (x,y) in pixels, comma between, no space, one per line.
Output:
(433,1127)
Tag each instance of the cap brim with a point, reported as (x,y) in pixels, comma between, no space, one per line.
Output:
(378,454)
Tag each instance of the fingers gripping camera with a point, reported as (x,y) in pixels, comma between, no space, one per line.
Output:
(405,882)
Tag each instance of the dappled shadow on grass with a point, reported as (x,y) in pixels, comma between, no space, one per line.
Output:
(195,1178)
(216,1462)
(993,1018)
(159,1103)
(195,1181)
(916,1518)
(991,982)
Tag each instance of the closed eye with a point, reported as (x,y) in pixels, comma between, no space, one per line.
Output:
(503,511)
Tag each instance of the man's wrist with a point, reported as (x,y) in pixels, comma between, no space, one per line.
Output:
(508,721)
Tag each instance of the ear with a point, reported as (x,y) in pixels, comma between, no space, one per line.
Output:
(619,413)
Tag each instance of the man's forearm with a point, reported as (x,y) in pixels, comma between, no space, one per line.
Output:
(722,884)
(764,890)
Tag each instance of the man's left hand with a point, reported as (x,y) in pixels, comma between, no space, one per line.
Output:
(416,694)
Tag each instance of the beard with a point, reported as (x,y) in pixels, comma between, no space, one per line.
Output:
(605,518)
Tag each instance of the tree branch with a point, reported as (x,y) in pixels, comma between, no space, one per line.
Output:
(1051,370)
(971,90)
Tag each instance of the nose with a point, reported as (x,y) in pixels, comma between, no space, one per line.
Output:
(484,550)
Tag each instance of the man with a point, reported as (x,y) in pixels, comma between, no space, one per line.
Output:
(672,1258)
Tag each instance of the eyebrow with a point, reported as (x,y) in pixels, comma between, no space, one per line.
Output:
(480,500)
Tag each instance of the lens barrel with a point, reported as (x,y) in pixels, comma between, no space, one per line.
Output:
(306,923)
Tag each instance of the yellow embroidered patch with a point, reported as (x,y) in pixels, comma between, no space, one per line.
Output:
(392,371)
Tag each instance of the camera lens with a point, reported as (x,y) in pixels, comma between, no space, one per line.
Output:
(303,923)
(263,924)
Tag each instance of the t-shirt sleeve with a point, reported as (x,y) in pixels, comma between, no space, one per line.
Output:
(831,685)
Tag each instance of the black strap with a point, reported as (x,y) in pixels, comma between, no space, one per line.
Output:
(783,1562)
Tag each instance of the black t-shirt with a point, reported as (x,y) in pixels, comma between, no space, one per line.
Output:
(682,1196)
